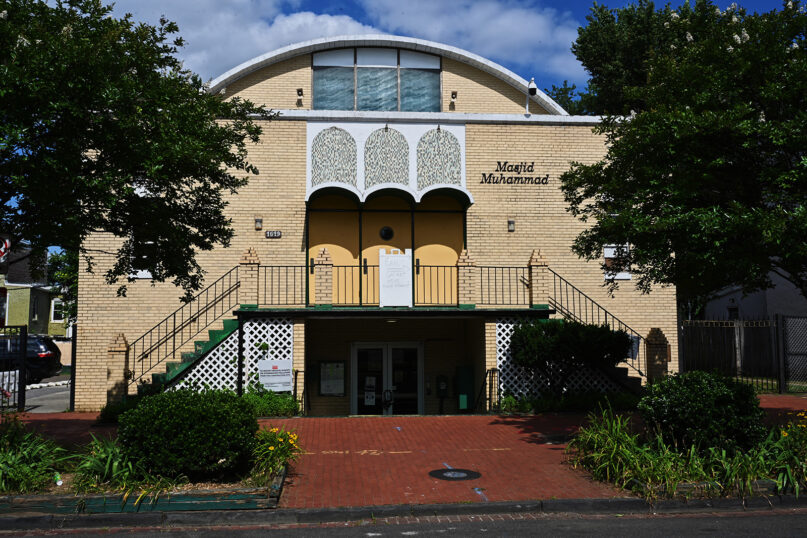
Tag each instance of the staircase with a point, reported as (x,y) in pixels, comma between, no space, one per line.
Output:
(169,348)
(174,369)
(573,304)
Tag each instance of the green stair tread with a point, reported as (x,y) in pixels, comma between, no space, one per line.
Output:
(201,347)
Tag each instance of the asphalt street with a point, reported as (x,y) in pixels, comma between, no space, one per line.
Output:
(780,523)
(47,399)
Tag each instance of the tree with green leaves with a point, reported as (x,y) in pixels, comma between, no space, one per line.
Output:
(103,130)
(706,181)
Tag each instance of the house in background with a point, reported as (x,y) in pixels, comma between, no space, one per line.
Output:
(782,299)
(26,300)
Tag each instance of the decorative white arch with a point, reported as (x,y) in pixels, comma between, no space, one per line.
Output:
(372,40)
(416,196)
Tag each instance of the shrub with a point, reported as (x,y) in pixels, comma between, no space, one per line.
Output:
(28,462)
(274,448)
(112,411)
(703,410)
(266,403)
(609,449)
(200,435)
(557,348)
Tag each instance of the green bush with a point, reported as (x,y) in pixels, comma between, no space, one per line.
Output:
(111,412)
(557,348)
(28,462)
(644,462)
(201,435)
(703,410)
(266,403)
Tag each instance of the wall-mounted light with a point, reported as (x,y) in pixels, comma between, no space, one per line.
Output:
(511,226)
(299,92)
(453,98)
(258,223)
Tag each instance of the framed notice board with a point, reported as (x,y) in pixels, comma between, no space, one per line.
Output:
(332,378)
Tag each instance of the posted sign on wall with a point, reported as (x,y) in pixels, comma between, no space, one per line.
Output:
(276,375)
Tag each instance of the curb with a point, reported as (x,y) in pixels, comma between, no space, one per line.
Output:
(330,515)
(44,385)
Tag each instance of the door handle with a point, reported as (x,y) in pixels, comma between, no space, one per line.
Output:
(388,399)
(365,266)
(417,266)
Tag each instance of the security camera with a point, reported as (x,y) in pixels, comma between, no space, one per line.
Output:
(532,88)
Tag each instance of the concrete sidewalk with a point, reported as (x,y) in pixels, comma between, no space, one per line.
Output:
(374,461)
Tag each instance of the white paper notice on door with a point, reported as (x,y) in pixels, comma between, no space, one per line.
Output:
(395,278)
(369,398)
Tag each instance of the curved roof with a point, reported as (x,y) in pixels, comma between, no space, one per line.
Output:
(380,40)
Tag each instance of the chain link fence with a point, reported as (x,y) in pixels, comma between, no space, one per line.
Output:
(795,353)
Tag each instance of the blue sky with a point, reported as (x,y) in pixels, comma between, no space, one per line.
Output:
(530,37)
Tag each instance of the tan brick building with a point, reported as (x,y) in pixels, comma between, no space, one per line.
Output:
(407,215)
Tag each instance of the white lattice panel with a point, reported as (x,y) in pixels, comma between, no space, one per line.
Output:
(522,382)
(219,368)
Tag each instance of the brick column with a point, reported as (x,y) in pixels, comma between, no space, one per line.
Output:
(323,278)
(467,281)
(298,363)
(657,351)
(117,364)
(539,279)
(248,275)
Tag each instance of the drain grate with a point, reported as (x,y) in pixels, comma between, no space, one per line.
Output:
(454,474)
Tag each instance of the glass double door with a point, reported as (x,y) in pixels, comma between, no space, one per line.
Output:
(387,379)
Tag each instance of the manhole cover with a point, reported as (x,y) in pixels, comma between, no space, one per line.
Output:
(454,474)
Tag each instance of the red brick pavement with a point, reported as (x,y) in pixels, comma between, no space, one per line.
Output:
(364,461)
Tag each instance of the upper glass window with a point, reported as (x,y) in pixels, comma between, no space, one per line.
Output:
(376,79)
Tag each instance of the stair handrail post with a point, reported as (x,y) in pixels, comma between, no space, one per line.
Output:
(249,269)
(657,354)
(467,283)
(323,278)
(117,367)
(539,278)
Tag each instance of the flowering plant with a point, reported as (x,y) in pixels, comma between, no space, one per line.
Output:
(274,448)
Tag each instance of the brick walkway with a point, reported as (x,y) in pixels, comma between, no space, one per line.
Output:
(386,460)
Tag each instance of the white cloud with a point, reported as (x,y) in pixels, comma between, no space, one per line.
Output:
(220,35)
(529,38)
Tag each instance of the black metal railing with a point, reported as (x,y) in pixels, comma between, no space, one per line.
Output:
(572,303)
(355,285)
(743,349)
(165,340)
(487,399)
(504,286)
(281,285)
(13,347)
(435,285)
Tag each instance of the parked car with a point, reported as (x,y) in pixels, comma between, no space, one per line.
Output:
(42,357)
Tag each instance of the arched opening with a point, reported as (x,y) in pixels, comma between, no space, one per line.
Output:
(354,233)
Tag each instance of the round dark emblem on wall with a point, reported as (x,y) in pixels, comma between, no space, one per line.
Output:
(454,474)
(386,233)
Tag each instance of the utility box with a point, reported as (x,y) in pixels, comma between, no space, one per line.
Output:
(465,388)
